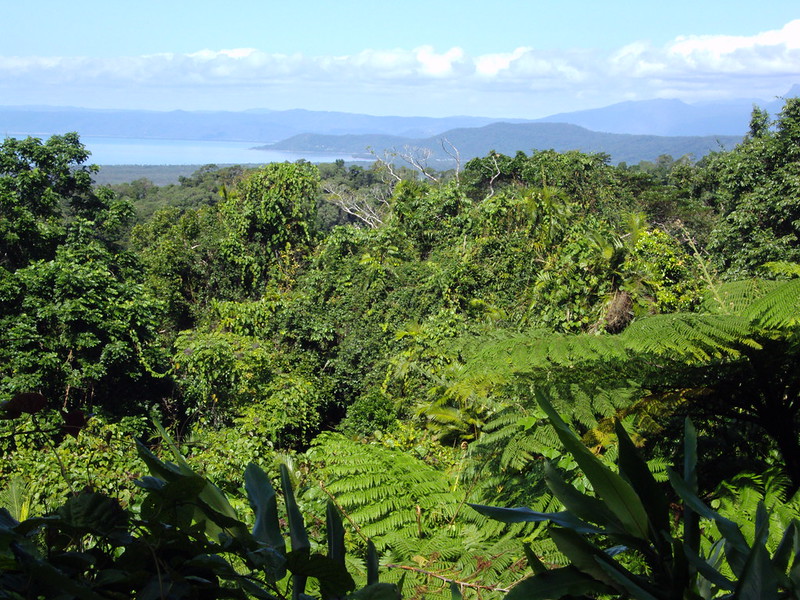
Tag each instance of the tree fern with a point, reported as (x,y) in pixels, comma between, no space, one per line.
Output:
(779,308)
(736,362)
(416,516)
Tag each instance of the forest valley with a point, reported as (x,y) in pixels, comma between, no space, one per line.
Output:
(533,376)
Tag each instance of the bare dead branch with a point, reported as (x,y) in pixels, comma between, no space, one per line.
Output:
(495,175)
(369,206)
(386,163)
(449,148)
(418,158)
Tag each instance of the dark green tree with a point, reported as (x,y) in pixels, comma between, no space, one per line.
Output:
(758,195)
(40,183)
(75,322)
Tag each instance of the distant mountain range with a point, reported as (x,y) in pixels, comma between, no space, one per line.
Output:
(508,138)
(671,117)
(628,131)
(258,126)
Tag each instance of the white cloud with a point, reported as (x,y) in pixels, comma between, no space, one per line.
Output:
(490,65)
(691,67)
(448,64)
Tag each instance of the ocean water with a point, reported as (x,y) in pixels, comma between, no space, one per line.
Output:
(127,151)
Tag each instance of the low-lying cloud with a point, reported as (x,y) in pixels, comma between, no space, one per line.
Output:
(691,67)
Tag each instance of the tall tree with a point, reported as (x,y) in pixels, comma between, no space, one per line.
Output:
(758,195)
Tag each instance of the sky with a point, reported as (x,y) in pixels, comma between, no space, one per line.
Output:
(516,58)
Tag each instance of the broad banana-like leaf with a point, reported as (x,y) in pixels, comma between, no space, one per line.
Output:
(335,531)
(264,502)
(91,511)
(526,515)
(372,564)
(209,495)
(455,591)
(582,554)
(266,529)
(736,547)
(600,565)
(557,583)
(691,522)
(758,580)
(631,585)
(334,580)
(297,529)
(617,493)
(536,565)
(634,470)
(708,571)
(583,506)
(789,541)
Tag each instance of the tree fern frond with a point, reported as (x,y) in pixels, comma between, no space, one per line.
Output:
(689,336)
(779,308)
(417,515)
(789,269)
(733,297)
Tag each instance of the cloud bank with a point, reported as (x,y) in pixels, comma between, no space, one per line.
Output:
(421,80)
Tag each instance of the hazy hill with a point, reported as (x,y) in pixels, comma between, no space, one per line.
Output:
(668,117)
(508,138)
(646,117)
(249,126)
(631,131)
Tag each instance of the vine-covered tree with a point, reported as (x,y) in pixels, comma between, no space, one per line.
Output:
(758,195)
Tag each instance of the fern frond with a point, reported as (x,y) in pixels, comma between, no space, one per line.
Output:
(733,297)
(779,308)
(417,515)
(687,336)
(780,267)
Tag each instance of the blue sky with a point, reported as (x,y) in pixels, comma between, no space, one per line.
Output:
(511,59)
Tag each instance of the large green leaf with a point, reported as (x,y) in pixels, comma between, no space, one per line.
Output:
(372,564)
(585,556)
(757,580)
(536,565)
(736,547)
(455,591)
(707,570)
(789,541)
(691,523)
(335,532)
(618,495)
(334,580)
(634,469)
(209,495)
(526,515)
(377,591)
(90,512)
(557,583)
(632,585)
(583,506)
(264,503)
(297,529)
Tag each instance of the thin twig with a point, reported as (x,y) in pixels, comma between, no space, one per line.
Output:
(476,586)
(343,511)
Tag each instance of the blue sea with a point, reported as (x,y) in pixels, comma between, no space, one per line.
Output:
(127,151)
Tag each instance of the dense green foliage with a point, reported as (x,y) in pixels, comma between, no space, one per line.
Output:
(384,333)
